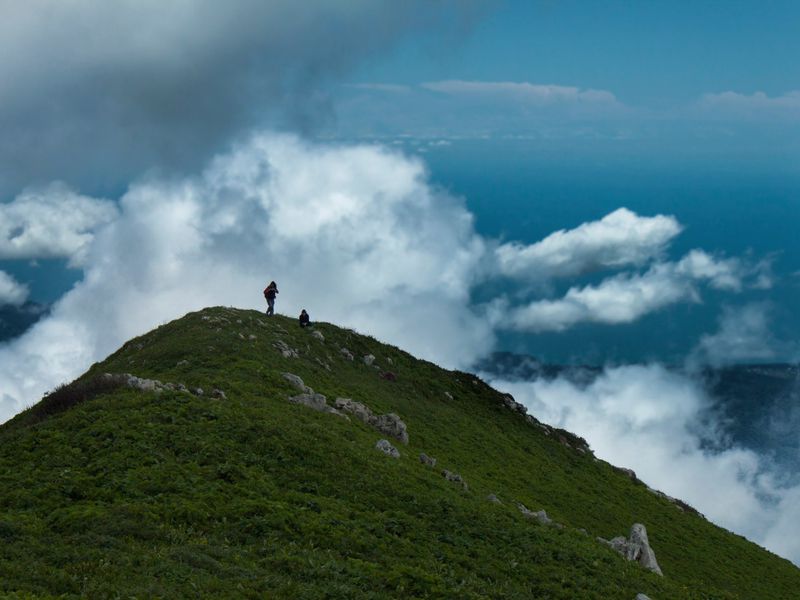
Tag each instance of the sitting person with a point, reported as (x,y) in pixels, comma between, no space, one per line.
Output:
(305,320)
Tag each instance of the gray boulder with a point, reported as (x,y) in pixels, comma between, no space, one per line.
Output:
(297,383)
(636,548)
(387,448)
(539,515)
(493,498)
(318,335)
(641,597)
(390,424)
(285,350)
(368,359)
(217,393)
(346,353)
(315,402)
(427,460)
(455,478)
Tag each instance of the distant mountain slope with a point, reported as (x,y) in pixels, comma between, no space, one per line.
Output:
(758,406)
(161,490)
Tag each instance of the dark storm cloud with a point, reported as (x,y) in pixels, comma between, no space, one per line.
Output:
(94,92)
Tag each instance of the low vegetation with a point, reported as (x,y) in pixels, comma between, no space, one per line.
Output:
(112,492)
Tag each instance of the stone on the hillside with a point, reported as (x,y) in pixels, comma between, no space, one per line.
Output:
(356,408)
(148,385)
(449,395)
(539,515)
(182,363)
(251,337)
(641,597)
(346,353)
(387,448)
(636,548)
(455,478)
(368,359)
(144,385)
(627,472)
(390,423)
(217,393)
(297,383)
(389,360)
(493,498)
(318,335)
(285,350)
(510,403)
(427,460)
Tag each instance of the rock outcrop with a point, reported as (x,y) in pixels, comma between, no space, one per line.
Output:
(315,401)
(154,385)
(636,548)
(427,460)
(455,478)
(390,423)
(539,515)
(297,383)
(386,447)
(285,350)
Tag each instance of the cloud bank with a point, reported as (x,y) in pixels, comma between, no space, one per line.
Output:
(96,92)
(619,239)
(651,420)
(51,222)
(743,335)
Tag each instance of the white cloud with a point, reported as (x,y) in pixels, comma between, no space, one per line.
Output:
(758,104)
(648,419)
(626,297)
(529,93)
(52,222)
(722,274)
(743,335)
(619,239)
(11,291)
(353,234)
(390,88)
(622,298)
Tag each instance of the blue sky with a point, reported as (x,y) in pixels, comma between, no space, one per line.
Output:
(659,53)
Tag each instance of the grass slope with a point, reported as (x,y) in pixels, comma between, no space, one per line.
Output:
(135,494)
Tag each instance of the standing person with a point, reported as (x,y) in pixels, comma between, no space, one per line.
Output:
(305,320)
(269,293)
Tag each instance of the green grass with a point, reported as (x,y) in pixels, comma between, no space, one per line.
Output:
(118,493)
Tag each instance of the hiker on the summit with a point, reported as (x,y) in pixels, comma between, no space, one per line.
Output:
(269,293)
(305,320)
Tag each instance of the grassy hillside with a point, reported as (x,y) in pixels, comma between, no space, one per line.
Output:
(108,491)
